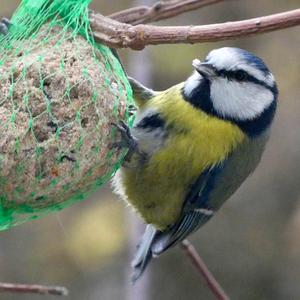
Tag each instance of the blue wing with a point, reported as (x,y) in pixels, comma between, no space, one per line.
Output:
(195,213)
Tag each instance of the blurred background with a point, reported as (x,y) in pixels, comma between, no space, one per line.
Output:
(252,246)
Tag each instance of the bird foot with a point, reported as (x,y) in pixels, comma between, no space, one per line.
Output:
(4,26)
(132,110)
(127,141)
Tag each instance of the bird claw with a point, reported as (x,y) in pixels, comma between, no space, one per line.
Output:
(132,110)
(127,141)
(4,26)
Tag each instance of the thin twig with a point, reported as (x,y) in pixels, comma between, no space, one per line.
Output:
(33,289)
(159,11)
(121,35)
(200,266)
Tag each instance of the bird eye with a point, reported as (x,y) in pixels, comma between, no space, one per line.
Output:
(240,75)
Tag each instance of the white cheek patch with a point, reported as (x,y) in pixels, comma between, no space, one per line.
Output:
(241,101)
(192,83)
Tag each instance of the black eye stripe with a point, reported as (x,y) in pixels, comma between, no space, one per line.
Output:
(241,75)
(237,74)
(233,75)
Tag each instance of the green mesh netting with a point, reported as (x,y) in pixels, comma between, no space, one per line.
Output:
(59,93)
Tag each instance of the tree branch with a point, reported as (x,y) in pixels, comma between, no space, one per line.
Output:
(33,289)
(200,266)
(159,11)
(121,35)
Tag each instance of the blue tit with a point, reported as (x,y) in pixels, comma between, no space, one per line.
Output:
(193,145)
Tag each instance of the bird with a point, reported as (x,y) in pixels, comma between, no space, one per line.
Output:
(193,145)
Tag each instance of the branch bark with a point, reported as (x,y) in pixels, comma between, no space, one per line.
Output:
(159,11)
(121,35)
(200,266)
(33,289)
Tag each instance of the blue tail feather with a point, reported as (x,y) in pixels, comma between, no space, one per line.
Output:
(144,253)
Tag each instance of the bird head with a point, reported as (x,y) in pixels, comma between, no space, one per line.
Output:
(235,85)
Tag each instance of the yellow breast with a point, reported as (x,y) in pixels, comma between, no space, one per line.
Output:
(196,141)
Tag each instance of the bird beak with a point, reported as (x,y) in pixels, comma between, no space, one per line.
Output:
(205,69)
